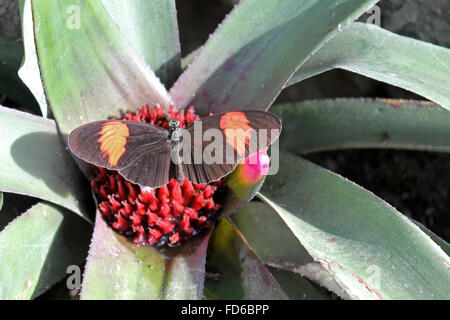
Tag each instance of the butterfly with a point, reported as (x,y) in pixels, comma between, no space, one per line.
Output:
(151,156)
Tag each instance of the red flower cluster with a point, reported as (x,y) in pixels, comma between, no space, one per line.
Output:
(160,216)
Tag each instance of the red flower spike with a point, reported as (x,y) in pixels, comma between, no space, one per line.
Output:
(177,208)
(132,194)
(105,209)
(153,235)
(174,238)
(140,208)
(209,204)
(163,193)
(165,226)
(191,213)
(152,218)
(165,211)
(187,191)
(115,204)
(163,216)
(149,198)
(103,193)
(185,225)
(128,208)
(175,190)
(145,196)
(199,187)
(121,223)
(198,202)
(112,184)
(209,191)
(140,238)
(136,218)
(122,194)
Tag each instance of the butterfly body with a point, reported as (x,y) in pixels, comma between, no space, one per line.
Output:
(150,156)
(175,134)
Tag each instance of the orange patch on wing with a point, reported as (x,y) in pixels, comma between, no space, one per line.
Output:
(236,129)
(113,138)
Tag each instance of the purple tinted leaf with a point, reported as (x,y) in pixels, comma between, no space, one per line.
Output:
(251,56)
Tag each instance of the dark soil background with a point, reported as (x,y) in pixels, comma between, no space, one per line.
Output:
(416,183)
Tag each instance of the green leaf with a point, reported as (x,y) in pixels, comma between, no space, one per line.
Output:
(36,249)
(372,250)
(61,291)
(277,247)
(439,241)
(363,123)
(251,56)
(88,69)
(37,163)
(13,206)
(366,49)
(151,28)
(11,54)
(297,287)
(117,269)
(29,71)
(235,272)
(186,61)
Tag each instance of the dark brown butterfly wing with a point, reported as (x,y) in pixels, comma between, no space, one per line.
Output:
(139,151)
(241,133)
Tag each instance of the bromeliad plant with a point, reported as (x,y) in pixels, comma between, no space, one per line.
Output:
(310,231)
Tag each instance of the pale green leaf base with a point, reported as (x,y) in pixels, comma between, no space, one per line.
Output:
(36,249)
(117,269)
